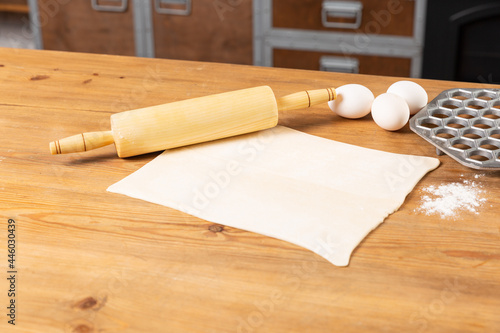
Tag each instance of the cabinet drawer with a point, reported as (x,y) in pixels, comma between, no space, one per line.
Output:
(205,33)
(368,64)
(14,2)
(15,6)
(76,26)
(390,17)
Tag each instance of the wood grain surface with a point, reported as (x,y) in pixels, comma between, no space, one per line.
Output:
(92,261)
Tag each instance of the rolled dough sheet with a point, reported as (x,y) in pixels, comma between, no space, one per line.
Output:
(320,194)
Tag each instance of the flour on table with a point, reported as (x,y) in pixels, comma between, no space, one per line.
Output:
(450,199)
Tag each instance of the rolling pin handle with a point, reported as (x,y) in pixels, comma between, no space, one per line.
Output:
(81,142)
(306,99)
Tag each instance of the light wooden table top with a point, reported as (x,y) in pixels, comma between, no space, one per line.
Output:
(92,261)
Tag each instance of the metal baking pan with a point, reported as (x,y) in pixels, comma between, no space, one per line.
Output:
(464,124)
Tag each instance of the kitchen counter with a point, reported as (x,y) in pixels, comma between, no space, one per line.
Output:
(91,261)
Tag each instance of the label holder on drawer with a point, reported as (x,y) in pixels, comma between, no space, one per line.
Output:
(339,64)
(160,7)
(351,10)
(120,7)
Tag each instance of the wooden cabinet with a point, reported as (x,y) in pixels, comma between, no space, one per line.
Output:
(368,36)
(103,26)
(200,32)
(365,36)
(208,33)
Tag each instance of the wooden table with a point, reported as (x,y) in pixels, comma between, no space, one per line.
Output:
(90,261)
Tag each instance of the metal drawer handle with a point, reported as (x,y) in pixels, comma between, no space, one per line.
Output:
(351,10)
(121,6)
(339,64)
(165,7)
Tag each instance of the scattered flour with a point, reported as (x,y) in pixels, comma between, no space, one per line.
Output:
(448,200)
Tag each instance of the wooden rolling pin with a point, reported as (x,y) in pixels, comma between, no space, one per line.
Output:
(192,121)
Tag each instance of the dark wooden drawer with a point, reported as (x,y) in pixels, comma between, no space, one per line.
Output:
(14,6)
(76,26)
(368,64)
(14,2)
(391,17)
(208,33)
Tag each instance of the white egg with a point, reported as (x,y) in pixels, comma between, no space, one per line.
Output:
(390,111)
(412,92)
(353,101)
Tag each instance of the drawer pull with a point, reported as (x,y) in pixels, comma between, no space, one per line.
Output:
(121,6)
(333,14)
(339,64)
(173,7)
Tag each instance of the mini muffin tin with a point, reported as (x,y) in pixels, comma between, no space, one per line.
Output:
(464,124)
